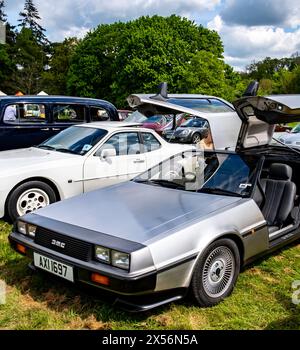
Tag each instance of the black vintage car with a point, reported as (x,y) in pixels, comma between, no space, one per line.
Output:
(29,120)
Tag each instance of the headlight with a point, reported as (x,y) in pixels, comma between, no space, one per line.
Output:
(22,227)
(184,133)
(31,229)
(26,229)
(120,259)
(102,254)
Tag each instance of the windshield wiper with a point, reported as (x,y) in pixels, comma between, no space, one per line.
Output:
(166,183)
(221,191)
(160,182)
(46,147)
(65,150)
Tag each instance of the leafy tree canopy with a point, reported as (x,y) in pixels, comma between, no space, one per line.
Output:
(117,59)
(54,80)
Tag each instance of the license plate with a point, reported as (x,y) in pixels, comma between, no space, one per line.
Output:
(53,266)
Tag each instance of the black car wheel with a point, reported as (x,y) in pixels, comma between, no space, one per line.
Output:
(196,138)
(29,197)
(216,272)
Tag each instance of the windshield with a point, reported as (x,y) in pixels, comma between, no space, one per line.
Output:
(76,140)
(208,172)
(136,117)
(155,119)
(207,105)
(296,129)
(194,123)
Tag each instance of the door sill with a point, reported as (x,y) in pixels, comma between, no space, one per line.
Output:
(280,232)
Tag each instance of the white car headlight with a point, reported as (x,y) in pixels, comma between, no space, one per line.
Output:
(102,254)
(119,259)
(22,227)
(31,229)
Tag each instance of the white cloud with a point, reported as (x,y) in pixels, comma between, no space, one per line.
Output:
(245,44)
(62,17)
(250,30)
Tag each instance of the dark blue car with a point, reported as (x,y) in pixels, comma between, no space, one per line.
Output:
(29,120)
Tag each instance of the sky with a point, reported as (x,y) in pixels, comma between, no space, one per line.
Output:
(250,29)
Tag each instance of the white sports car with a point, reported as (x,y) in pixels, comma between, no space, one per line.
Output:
(79,159)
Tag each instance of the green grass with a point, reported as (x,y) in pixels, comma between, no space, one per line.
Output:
(261,300)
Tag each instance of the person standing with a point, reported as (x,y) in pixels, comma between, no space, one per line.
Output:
(10,114)
(206,142)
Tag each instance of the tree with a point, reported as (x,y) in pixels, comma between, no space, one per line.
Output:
(30,19)
(3,16)
(30,62)
(54,80)
(207,74)
(267,67)
(7,54)
(116,59)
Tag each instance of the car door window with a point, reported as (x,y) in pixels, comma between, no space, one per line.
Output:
(68,113)
(98,114)
(150,142)
(22,113)
(124,143)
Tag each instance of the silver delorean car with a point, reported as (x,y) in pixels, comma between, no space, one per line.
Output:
(187,225)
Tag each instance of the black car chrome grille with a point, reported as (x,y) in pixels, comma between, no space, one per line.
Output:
(63,244)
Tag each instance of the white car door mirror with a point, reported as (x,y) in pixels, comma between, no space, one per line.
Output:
(107,153)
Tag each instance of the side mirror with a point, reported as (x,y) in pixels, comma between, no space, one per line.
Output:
(107,153)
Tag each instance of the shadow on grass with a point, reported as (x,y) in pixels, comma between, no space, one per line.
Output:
(64,296)
(291,322)
(274,253)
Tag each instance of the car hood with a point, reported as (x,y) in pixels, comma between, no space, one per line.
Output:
(29,157)
(152,125)
(290,136)
(260,114)
(134,211)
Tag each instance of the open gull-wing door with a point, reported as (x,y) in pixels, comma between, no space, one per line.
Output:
(260,114)
(224,125)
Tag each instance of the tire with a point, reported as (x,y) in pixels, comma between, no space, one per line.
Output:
(207,281)
(29,197)
(196,138)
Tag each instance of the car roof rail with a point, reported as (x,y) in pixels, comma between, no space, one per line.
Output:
(252,89)
(162,94)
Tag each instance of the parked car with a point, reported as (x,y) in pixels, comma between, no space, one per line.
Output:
(187,224)
(79,159)
(29,120)
(220,115)
(124,114)
(282,128)
(190,131)
(291,138)
(158,122)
